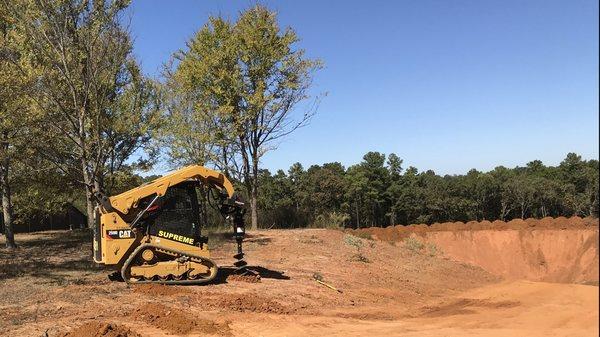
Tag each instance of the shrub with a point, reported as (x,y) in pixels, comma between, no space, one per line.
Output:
(363,235)
(413,244)
(357,242)
(353,241)
(330,220)
(432,249)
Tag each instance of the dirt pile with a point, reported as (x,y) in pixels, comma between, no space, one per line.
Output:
(399,232)
(177,321)
(249,303)
(98,329)
(553,250)
(160,290)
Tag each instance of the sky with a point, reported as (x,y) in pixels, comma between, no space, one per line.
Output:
(446,85)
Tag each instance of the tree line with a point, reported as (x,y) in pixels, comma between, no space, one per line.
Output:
(78,117)
(379,191)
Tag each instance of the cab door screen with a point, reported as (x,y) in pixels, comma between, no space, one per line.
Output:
(177,213)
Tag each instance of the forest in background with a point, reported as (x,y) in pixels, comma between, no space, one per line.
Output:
(379,191)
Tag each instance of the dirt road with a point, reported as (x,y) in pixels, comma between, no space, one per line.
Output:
(388,289)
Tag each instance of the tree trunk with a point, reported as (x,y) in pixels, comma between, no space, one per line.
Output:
(6,200)
(357,216)
(254,207)
(254,191)
(89,198)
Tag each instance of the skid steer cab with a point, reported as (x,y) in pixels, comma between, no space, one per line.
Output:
(153,233)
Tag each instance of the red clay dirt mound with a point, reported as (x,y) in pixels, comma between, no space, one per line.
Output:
(98,329)
(160,289)
(552,250)
(249,303)
(176,321)
(399,232)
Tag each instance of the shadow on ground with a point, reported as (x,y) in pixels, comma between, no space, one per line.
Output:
(59,257)
(264,273)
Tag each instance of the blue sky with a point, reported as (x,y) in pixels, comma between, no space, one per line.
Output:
(446,85)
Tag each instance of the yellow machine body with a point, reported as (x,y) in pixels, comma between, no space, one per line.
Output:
(128,237)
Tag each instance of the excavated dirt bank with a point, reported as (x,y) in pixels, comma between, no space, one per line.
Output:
(552,250)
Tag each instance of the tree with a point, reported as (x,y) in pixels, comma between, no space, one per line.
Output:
(322,190)
(367,185)
(17,84)
(188,135)
(95,99)
(248,78)
(521,191)
(296,173)
(394,166)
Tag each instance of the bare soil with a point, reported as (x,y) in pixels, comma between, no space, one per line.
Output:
(50,286)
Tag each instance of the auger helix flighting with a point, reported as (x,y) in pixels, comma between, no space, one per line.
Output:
(152,233)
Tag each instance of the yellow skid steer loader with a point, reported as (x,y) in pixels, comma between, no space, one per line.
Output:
(152,233)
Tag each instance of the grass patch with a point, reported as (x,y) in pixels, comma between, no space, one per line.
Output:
(363,235)
(357,243)
(331,220)
(413,244)
(432,249)
(417,246)
(353,241)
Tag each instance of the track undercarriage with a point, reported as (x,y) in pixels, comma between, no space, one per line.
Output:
(151,263)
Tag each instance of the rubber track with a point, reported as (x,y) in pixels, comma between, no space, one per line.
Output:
(125,275)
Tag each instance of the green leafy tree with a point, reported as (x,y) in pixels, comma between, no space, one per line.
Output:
(17,86)
(248,77)
(96,102)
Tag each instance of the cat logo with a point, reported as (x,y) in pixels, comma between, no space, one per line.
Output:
(120,234)
(175,237)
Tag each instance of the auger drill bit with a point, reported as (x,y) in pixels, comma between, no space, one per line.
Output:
(240,264)
(239,232)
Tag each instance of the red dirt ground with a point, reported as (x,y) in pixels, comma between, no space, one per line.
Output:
(50,286)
